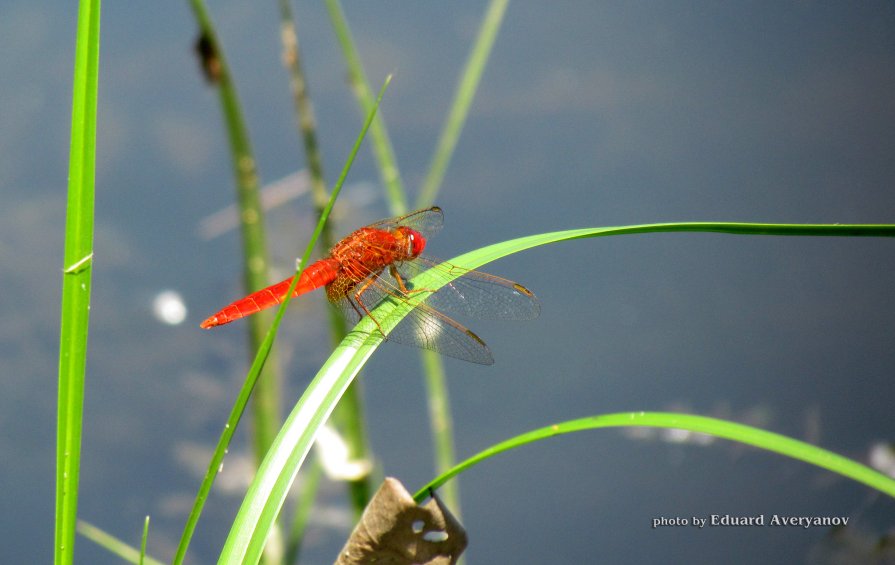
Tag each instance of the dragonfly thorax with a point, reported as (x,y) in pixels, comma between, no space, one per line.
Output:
(369,250)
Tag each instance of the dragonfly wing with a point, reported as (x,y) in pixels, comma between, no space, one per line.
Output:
(423,327)
(430,329)
(427,221)
(473,293)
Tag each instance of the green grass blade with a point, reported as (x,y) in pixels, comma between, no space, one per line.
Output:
(719,428)
(76,279)
(115,545)
(479,257)
(268,490)
(143,541)
(274,478)
(380,142)
(466,89)
(255,268)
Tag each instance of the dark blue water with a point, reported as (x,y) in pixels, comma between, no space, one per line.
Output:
(586,116)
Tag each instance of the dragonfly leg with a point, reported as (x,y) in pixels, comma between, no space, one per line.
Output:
(402,287)
(358,295)
(358,302)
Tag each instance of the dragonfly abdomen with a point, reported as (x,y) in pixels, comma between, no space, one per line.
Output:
(319,273)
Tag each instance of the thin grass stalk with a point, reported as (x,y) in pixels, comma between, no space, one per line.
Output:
(388,167)
(304,112)
(463,96)
(348,416)
(255,272)
(114,545)
(76,279)
(436,384)
(442,426)
(143,541)
(381,144)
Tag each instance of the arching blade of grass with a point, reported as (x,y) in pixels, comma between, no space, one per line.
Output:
(76,278)
(390,313)
(701,424)
(241,539)
(274,478)
(479,257)
(268,490)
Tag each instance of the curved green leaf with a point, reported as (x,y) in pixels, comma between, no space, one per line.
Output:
(701,424)
(475,259)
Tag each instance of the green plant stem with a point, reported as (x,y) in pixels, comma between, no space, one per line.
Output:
(433,367)
(304,111)
(220,451)
(266,399)
(143,541)
(76,279)
(380,142)
(719,428)
(466,89)
(442,425)
(348,416)
(115,545)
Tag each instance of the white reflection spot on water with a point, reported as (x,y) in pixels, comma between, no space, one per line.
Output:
(882,458)
(334,456)
(168,307)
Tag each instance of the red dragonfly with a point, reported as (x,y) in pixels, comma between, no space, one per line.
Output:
(377,262)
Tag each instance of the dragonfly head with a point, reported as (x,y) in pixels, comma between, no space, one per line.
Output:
(413,240)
